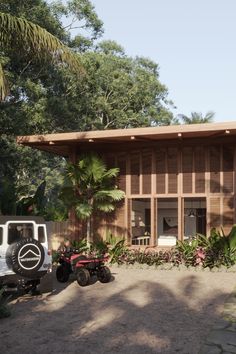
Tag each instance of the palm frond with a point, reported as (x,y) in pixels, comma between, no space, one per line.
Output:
(83,210)
(16,31)
(112,172)
(36,38)
(112,195)
(106,207)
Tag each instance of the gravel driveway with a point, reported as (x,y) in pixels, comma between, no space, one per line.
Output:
(140,311)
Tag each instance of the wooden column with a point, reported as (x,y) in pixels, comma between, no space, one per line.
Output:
(127,200)
(180,199)
(207,187)
(234,179)
(153,239)
(153,216)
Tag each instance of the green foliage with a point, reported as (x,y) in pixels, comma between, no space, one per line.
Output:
(4,308)
(80,246)
(89,186)
(35,91)
(35,204)
(187,251)
(221,248)
(55,257)
(119,91)
(216,251)
(99,248)
(118,252)
(18,32)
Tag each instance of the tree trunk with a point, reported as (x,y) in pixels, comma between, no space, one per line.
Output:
(88,230)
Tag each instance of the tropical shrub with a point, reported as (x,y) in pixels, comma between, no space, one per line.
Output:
(214,251)
(98,248)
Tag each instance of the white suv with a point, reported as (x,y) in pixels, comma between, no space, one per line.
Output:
(24,254)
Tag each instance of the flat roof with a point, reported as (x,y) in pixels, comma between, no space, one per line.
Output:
(62,143)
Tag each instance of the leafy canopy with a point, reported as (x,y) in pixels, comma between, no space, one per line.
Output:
(89,186)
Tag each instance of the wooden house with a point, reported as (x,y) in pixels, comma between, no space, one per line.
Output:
(178,180)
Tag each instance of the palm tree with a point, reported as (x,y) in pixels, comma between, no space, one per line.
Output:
(34,39)
(89,187)
(197,118)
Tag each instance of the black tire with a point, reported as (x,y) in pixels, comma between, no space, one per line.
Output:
(104,274)
(25,257)
(83,276)
(62,273)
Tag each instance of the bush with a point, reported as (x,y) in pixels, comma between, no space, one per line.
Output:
(214,251)
(4,308)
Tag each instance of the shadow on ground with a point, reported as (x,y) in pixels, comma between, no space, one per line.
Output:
(134,315)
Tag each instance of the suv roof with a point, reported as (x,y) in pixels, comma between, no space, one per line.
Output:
(5,218)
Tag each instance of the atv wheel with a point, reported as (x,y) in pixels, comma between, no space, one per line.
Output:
(104,275)
(83,276)
(62,274)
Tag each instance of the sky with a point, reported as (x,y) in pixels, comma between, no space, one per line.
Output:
(193,41)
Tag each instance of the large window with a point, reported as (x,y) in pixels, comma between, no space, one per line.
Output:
(194,217)
(41,234)
(141,221)
(16,231)
(167,221)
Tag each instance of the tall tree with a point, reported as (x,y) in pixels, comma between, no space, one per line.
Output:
(31,85)
(117,92)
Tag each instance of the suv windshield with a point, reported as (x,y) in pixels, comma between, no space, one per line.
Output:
(17,231)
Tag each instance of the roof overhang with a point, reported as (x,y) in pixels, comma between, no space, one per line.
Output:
(62,143)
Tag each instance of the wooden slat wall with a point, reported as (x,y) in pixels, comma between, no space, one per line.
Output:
(135,172)
(228,168)
(146,171)
(215,212)
(120,220)
(228,213)
(172,167)
(109,160)
(121,164)
(160,171)
(215,162)
(199,169)
(187,169)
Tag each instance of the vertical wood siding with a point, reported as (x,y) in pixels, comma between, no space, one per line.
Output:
(146,171)
(199,169)
(205,171)
(135,172)
(172,166)
(215,168)
(160,171)
(187,169)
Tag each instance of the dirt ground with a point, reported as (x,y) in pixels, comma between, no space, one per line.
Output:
(140,311)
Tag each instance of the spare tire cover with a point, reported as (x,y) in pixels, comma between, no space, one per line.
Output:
(25,257)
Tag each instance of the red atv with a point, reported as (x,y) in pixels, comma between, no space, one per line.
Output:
(83,267)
